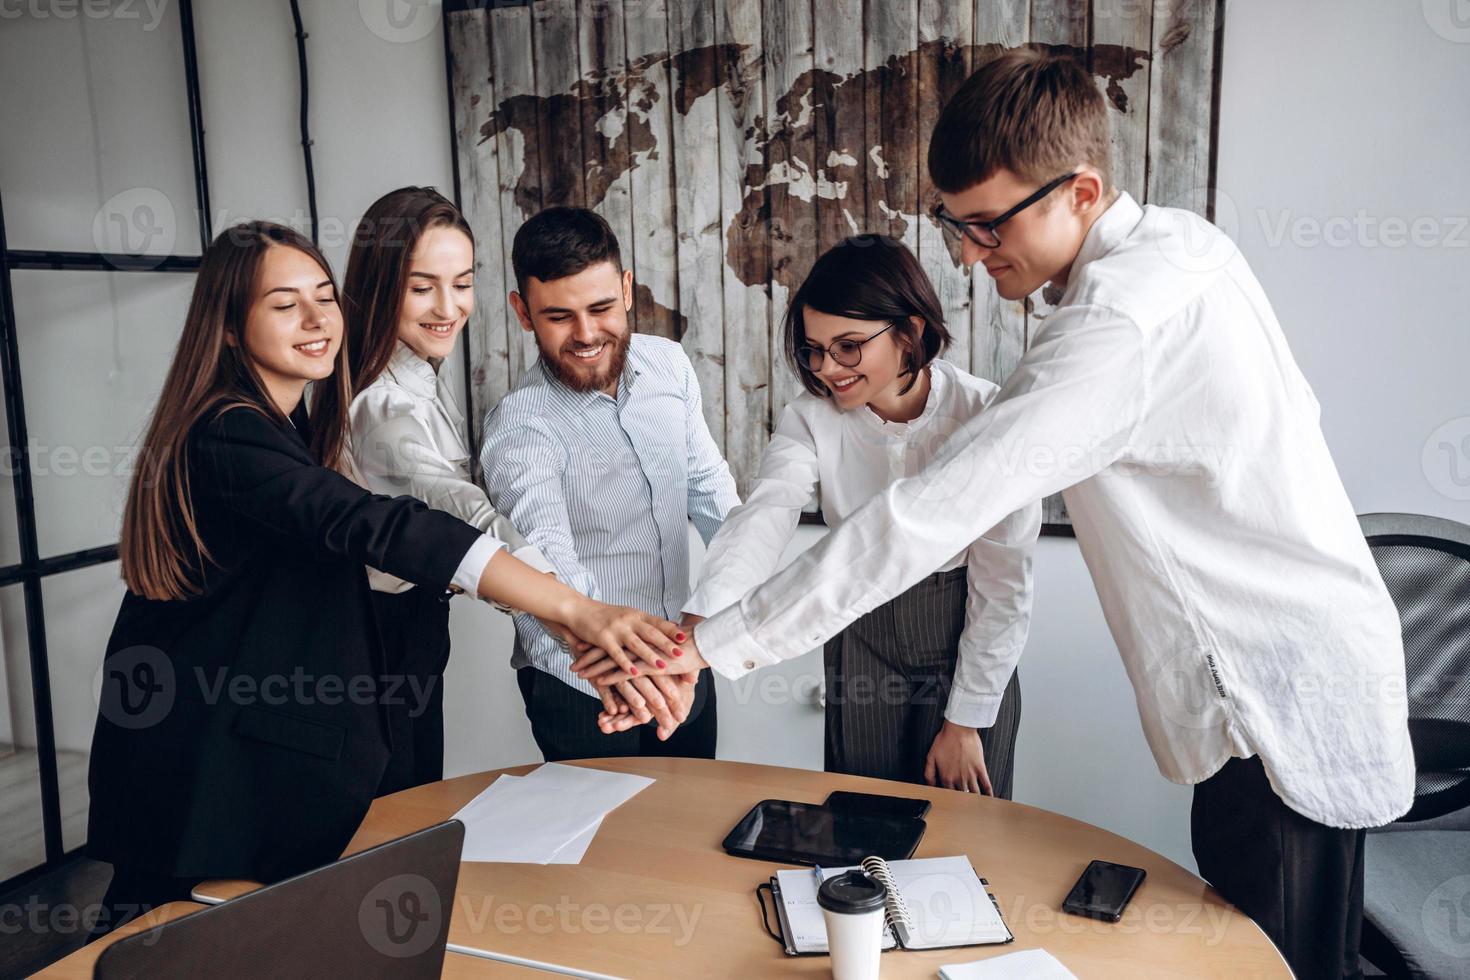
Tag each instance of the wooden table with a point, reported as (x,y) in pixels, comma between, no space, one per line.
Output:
(655,896)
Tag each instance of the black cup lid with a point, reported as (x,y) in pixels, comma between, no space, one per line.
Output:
(851,891)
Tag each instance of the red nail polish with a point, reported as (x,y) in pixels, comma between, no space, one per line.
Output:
(677,652)
(679,637)
(661,664)
(633,670)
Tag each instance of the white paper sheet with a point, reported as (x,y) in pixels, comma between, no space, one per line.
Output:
(549,816)
(1027,964)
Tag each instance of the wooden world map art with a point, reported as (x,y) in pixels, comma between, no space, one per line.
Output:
(731,142)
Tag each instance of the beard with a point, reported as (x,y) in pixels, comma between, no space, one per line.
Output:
(564,366)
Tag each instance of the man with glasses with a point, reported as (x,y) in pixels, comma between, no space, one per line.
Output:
(1161,399)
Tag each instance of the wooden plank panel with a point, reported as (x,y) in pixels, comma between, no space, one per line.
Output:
(699,242)
(1060,22)
(946,32)
(651,151)
(486,338)
(839,120)
(518,150)
(890,38)
(999,335)
(1180,90)
(603,108)
(745,216)
(1121,38)
(786,27)
(554,50)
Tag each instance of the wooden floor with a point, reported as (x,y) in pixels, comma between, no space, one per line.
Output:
(22,846)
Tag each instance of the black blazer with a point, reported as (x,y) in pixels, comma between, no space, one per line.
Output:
(243,733)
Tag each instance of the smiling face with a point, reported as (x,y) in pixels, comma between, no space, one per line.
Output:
(439,295)
(1038,245)
(293,329)
(581,324)
(878,376)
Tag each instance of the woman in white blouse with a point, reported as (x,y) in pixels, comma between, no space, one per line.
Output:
(918,685)
(409,290)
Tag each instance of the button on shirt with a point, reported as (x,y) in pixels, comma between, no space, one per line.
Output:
(1160,397)
(849,456)
(405,439)
(605,487)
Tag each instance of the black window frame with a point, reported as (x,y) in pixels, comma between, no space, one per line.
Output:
(29,572)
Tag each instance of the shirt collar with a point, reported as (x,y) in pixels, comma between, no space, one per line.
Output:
(1106,233)
(632,368)
(412,371)
(938,381)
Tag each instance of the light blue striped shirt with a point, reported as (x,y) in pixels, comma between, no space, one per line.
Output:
(605,487)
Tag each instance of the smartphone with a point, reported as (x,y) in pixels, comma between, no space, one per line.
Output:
(876,805)
(1103,890)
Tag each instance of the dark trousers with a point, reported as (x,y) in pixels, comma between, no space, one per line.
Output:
(1301,881)
(889,676)
(564,723)
(414,629)
(132,893)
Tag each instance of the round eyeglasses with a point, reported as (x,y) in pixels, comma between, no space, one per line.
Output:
(848,353)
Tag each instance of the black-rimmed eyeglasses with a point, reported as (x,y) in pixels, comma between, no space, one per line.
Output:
(848,353)
(983,233)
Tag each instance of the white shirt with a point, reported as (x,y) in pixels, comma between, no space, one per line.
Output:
(1161,398)
(849,457)
(404,439)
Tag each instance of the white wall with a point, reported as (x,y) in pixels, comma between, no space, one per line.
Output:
(1327,108)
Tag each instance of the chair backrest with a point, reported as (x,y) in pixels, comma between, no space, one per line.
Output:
(383,912)
(1425,562)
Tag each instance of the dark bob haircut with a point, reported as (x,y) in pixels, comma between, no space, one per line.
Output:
(560,242)
(869,277)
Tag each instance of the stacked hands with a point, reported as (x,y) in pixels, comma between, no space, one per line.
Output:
(645,668)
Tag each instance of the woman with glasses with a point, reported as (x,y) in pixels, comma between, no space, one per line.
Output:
(911,682)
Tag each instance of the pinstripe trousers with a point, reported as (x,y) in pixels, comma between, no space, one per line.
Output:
(888,680)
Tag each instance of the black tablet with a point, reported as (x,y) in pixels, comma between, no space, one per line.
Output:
(808,833)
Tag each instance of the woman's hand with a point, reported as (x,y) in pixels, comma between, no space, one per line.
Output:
(957,760)
(617,631)
(604,670)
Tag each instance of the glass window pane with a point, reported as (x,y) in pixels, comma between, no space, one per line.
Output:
(80,609)
(22,836)
(105,85)
(94,348)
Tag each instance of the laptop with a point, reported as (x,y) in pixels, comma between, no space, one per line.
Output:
(383,912)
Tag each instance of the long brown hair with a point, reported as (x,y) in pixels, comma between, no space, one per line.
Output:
(163,555)
(377,277)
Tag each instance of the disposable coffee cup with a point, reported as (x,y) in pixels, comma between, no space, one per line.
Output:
(852,907)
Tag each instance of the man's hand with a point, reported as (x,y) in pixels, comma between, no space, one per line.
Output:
(957,760)
(635,702)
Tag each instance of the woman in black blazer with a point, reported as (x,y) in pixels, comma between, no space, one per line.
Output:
(242,729)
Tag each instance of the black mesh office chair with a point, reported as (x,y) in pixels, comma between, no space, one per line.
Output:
(1416,917)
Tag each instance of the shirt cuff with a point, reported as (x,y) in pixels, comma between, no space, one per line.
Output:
(726,644)
(532,556)
(472,565)
(972,710)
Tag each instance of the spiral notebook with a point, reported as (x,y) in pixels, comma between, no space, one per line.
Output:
(932,903)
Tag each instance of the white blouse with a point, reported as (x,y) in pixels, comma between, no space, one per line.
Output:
(1161,398)
(851,456)
(405,439)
